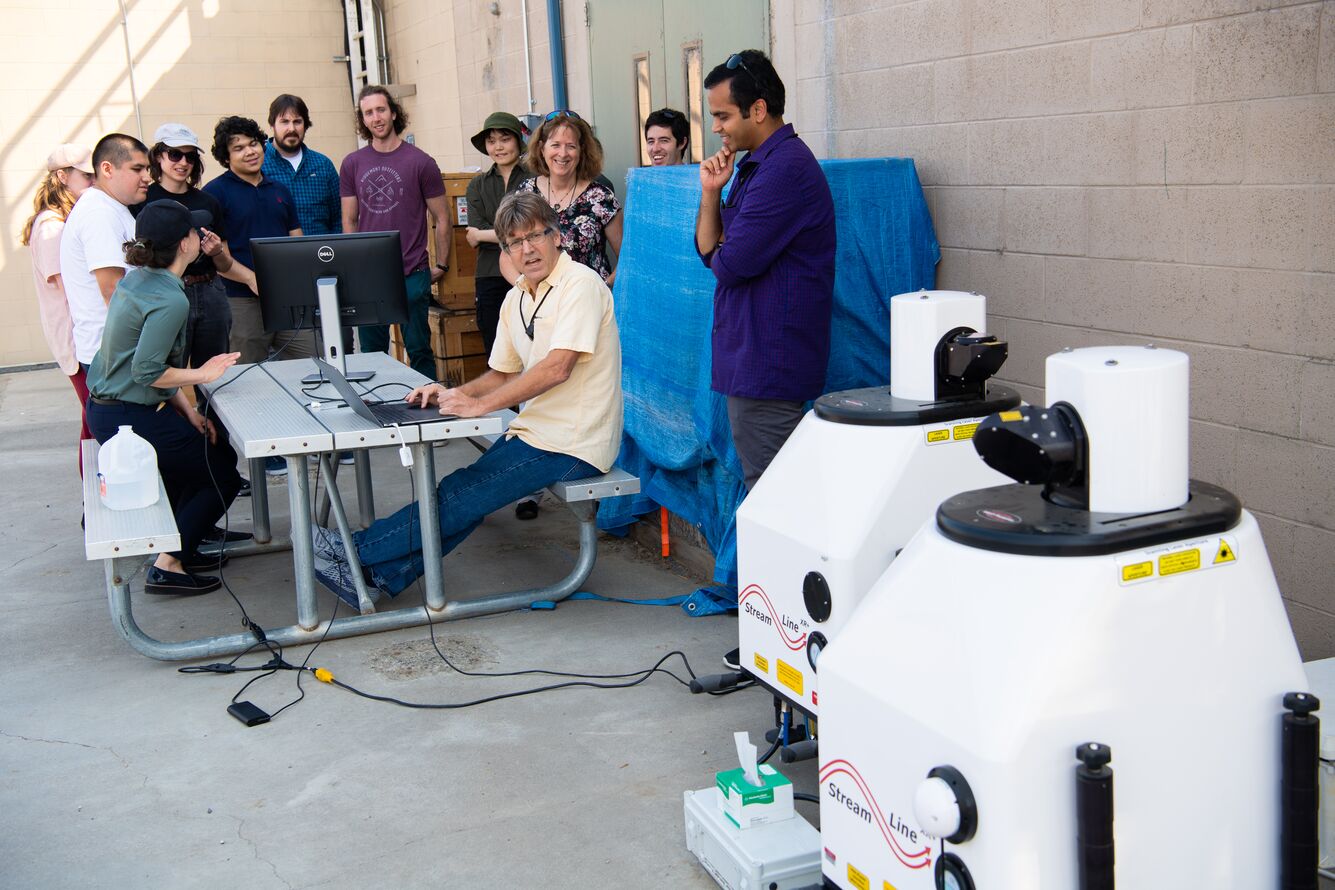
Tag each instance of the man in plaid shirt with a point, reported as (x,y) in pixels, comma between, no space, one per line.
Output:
(308,175)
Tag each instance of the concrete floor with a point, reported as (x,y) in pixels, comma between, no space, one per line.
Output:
(118,771)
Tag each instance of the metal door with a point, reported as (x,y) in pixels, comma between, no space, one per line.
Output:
(647,54)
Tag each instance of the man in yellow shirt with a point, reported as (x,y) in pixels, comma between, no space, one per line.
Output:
(558,352)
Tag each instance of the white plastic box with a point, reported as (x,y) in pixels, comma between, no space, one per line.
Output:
(781,856)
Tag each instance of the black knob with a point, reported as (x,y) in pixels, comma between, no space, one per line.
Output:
(1301,703)
(1094,755)
(816,596)
(815,646)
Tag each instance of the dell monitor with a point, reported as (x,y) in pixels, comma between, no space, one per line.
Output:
(330,281)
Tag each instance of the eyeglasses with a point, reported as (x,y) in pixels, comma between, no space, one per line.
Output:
(515,245)
(175,155)
(561,111)
(735,61)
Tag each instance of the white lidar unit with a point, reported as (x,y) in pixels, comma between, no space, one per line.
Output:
(1012,630)
(850,486)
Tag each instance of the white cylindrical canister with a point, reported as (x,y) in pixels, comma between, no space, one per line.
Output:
(1133,401)
(918,321)
(127,471)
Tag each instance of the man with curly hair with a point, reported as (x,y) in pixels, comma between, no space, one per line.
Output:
(391,185)
(253,207)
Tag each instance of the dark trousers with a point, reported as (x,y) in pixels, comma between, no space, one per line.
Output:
(416,333)
(759,429)
(490,291)
(208,328)
(200,478)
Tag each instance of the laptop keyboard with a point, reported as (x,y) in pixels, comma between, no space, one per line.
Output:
(401,412)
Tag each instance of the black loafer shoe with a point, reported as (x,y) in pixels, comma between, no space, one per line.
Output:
(203,562)
(526,510)
(217,536)
(164,583)
(245,489)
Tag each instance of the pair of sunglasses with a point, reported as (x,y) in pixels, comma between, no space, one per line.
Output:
(560,111)
(175,155)
(735,61)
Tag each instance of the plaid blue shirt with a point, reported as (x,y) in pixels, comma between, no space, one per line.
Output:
(314,187)
(774,275)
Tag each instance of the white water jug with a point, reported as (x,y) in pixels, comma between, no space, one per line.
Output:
(127,471)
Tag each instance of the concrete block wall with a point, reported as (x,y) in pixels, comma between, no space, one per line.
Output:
(66,79)
(1123,171)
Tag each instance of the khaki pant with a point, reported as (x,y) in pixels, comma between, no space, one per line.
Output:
(250,339)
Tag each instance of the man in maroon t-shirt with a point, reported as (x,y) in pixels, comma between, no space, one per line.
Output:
(391,185)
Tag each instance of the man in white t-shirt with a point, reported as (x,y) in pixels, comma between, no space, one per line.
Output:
(92,258)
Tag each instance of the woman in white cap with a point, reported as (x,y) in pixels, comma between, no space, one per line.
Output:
(135,380)
(69,171)
(177,166)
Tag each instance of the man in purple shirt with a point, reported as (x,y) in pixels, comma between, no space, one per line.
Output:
(389,185)
(771,249)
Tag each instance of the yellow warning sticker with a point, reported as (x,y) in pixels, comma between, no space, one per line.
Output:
(1182,561)
(1137,570)
(1176,559)
(937,436)
(1008,416)
(964,431)
(886,885)
(762,663)
(857,878)
(789,676)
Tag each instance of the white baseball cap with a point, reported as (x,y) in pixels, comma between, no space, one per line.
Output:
(70,155)
(176,136)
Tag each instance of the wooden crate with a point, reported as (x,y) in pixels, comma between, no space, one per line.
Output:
(458,346)
(455,290)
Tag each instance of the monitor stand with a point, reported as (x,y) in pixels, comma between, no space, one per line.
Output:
(327,291)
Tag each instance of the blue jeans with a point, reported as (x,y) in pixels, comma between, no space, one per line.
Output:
(416,332)
(392,547)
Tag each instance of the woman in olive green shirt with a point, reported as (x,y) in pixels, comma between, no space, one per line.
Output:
(135,380)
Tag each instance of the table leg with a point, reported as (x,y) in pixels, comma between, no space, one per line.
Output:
(303,554)
(330,481)
(259,501)
(424,479)
(365,495)
(364,601)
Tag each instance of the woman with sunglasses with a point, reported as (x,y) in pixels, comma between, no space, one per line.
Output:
(69,171)
(135,381)
(567,162)
(177,166)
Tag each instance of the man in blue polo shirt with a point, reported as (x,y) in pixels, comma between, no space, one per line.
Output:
(253,207)
(771,249)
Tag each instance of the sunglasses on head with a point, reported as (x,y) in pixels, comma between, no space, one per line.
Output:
(735,61)
(175,155)
(560,111)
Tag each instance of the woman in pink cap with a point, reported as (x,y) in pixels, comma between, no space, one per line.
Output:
(69,171)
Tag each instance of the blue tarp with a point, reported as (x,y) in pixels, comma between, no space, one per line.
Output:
(677,438)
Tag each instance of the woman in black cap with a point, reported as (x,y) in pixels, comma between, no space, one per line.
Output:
(135,380)
(501,139)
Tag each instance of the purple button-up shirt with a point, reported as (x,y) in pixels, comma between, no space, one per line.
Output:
(775,275)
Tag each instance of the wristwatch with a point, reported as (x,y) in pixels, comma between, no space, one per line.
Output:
(443,268)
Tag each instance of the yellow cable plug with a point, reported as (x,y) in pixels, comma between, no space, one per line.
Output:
(323,675)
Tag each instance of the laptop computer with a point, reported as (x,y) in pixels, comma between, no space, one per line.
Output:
(385,414)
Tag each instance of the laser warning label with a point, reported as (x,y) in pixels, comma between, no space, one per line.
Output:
(1182,558)
(788,675)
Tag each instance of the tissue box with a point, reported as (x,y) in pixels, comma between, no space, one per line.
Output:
(748,805)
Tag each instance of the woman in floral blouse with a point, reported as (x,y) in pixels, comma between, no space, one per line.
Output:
(568,160)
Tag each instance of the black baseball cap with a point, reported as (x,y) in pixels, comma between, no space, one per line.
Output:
(167,222)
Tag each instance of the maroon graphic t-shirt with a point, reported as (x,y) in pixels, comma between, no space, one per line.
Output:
(391,189)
